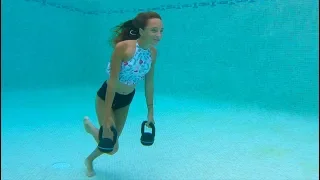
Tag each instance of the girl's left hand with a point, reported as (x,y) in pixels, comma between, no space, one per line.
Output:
(150,120)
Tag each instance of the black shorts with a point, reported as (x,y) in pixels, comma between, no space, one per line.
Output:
(119,100)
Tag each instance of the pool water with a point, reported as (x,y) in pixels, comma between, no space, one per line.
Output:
(44,138)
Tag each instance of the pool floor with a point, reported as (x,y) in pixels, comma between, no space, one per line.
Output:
(43,138)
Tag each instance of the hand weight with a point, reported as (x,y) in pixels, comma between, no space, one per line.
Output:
(106,144)
(147,139)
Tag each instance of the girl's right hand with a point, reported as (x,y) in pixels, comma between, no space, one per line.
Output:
(107,133)
(109,122)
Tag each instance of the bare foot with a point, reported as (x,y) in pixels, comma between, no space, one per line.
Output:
(90,171)
(88,126)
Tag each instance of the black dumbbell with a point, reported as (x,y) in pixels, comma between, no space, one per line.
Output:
(147,139)
(106,144)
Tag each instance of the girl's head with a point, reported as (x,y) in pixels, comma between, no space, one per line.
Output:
(145,26)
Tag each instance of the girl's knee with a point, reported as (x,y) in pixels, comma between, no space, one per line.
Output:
(115,149)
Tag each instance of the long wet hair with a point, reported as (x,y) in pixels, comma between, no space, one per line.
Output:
(129,30)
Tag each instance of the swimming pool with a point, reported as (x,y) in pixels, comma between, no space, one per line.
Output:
(236,91)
